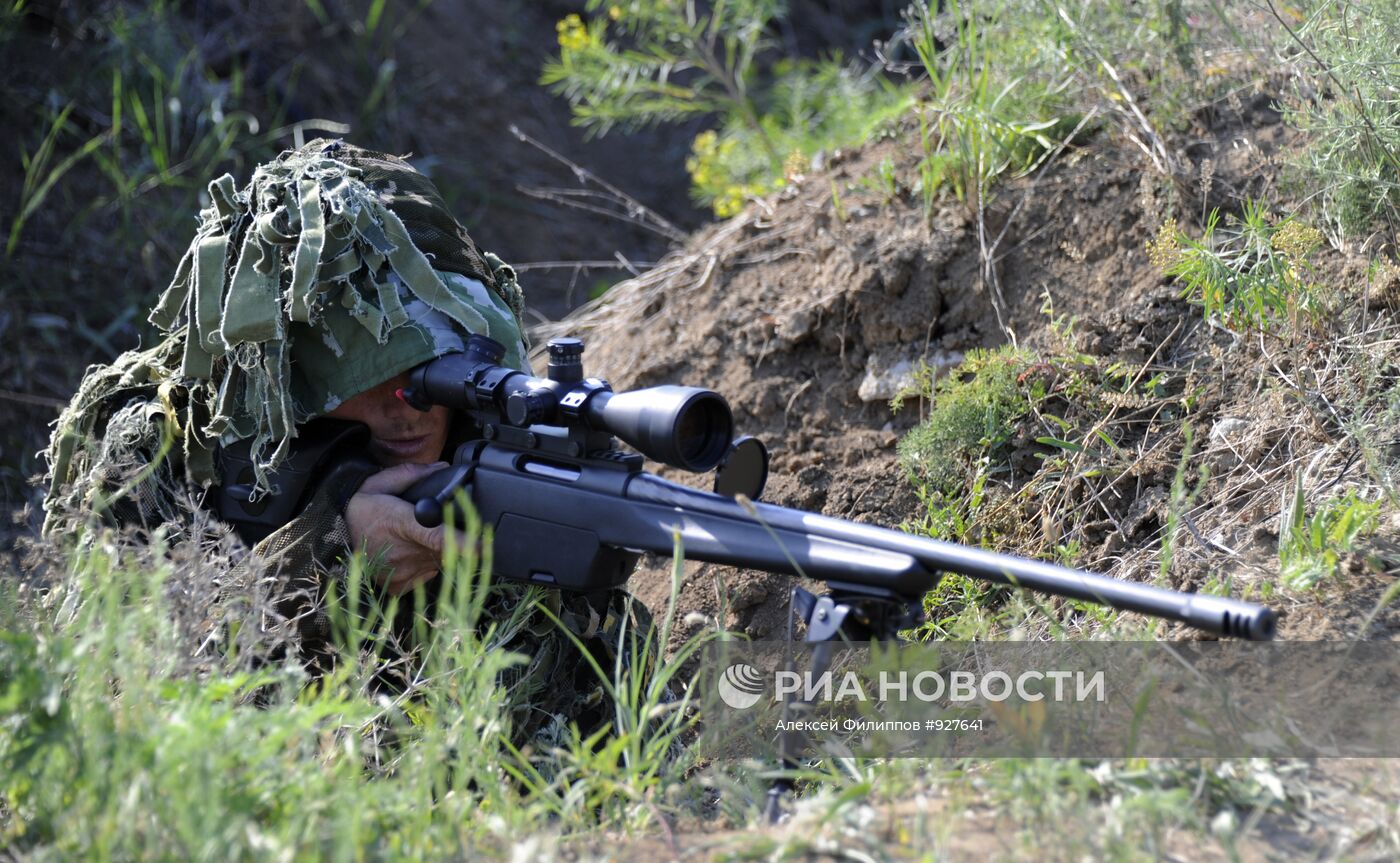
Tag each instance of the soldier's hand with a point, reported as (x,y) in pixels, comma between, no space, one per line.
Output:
(382,524)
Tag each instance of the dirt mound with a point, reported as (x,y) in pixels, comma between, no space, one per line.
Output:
(809,312)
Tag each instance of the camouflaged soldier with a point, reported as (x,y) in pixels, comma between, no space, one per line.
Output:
(311,293)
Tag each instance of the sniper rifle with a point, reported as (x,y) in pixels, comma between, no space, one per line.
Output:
(571,510)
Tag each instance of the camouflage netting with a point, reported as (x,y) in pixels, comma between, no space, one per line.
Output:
(335,268)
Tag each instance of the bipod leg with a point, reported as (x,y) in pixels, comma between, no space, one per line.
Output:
(791,741)
(829,619)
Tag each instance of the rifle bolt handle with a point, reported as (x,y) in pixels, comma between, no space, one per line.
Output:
(428,512)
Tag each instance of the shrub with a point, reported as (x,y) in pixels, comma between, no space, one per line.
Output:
(655,61)
(972,412)
(1350,112)
(810,107)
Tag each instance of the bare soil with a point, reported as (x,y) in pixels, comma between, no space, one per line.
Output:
(803,312)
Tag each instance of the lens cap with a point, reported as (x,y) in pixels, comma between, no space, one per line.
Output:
(744,469)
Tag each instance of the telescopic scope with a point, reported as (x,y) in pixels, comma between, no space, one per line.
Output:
(685,427)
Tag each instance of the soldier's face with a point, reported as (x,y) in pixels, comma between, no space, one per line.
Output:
(398,433)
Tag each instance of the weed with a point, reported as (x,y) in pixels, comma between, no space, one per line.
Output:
(113,706)
(837,207)
(971,414)
(808,107)
(1351,112)
(885,181)
(1149,798)
(1251,274)
(986,113)
(1179,501)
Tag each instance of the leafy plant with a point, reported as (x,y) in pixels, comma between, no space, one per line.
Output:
(1251,274)
(972,412)
(680,60)
(1310,547)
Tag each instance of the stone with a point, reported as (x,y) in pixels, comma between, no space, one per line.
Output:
(887,373)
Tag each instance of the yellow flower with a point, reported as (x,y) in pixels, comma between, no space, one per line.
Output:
(615,12)
(795,165)
(1165,250)
(729,203)
(573,36)
(1295,240)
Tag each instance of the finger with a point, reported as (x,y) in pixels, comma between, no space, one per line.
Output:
(430,538)
(398,478)
(378,520)
(423,577)
(459,545)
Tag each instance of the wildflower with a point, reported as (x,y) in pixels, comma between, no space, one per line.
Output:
(1165,249)
(795,166)
(703,153)
(1295,240)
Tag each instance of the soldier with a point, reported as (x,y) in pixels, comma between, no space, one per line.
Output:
(312,292)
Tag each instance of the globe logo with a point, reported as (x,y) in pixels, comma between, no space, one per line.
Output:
(741,686)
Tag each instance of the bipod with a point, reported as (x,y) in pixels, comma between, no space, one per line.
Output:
(837,616)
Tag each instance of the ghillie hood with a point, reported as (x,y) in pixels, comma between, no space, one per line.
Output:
(333,270)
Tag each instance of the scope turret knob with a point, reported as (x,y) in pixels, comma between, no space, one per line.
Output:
(485,350)
(528,408)
(565,348)
(566,360)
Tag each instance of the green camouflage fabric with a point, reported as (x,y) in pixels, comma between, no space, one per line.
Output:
(332,270)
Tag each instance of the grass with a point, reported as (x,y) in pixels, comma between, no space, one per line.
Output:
(971,414)
(1310,547)
(115,703)
(992,104)
(110,713)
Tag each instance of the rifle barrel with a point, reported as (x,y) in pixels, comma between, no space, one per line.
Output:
(831,549)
